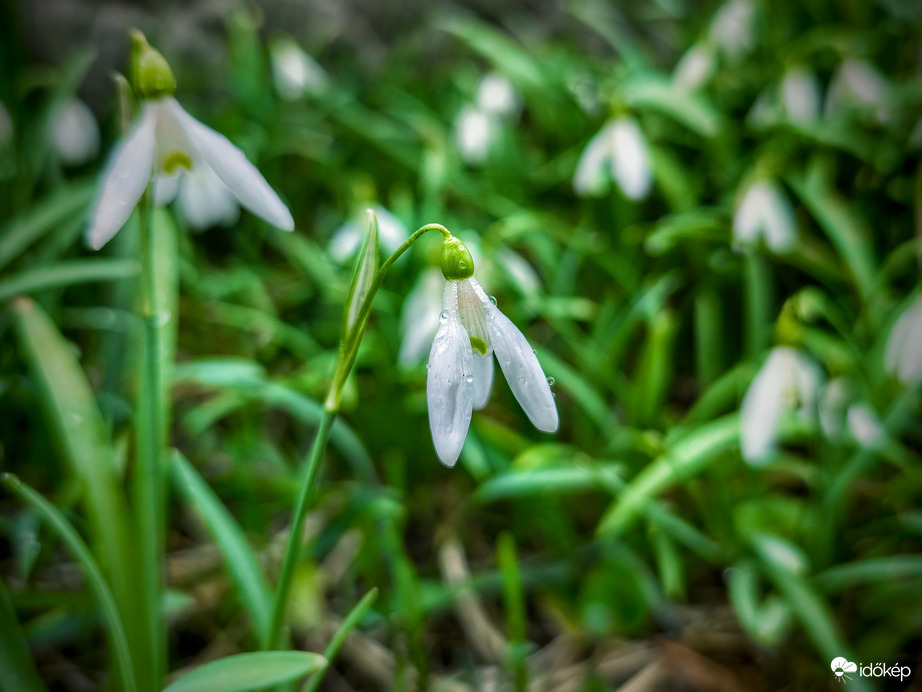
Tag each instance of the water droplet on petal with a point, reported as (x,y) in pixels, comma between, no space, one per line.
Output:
(493,300)
(550,381)
(469,379)
(522,380)
(553,395)
(428,366)
(443,315)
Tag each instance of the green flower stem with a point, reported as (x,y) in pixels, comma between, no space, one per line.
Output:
(347,353)
(148,484)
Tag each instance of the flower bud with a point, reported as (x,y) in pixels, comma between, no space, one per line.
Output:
(457,262)
(151,74)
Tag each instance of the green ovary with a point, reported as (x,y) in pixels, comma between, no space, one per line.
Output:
(479,345)
(176,160)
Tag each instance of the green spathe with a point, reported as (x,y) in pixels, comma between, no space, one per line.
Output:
(457,262)
(151,73)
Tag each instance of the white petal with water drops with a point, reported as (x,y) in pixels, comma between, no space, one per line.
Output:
(483,380)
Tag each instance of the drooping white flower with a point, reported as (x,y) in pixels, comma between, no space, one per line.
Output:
(695,68)
(497,95)
(618,150)
(347,238)
(294,72)
(800,93)
(475,130)
(858,83)
(75,133)
(471,329)
(788,381)
(864,424)
(765,211)
(202,199)
(165,140)
(732,27)
(904,346)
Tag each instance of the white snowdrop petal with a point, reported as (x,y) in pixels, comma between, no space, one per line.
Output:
(761,411)
(204,201)
(127,175)
(474,133)
(75,133)
(391,231)
(483,379)
(695,68)
(235,171)
(589,180)
(903,357)
(449,385)
(520,366)
(800,92)
(472,316)
(630,161)
(420,316)
(864,424)
(780,226)
(164,188)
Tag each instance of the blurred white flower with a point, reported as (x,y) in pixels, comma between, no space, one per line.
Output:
(765,211)
(800,93)
(732,27)
(475,130)
(75,133)
(695,68)
(788,381)
(833,404)
(864,425)
(294,72)
(470,330)
(519,270)
(618,150)
(202,199)
(858,83)
(347,238)
(420,316)
(497,95)
(165,140)
(904,346)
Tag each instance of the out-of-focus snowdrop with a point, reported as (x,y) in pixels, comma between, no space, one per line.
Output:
(618,151)
(800,94)
(764,211)
(788,381)
(904,346)
(294,72)
(864,425)
(348,237)
(420,316)
(696,67)
(75,133)
(479,124)
(839,412)
(858,83)
(522,275)
(202,199)
(732,27)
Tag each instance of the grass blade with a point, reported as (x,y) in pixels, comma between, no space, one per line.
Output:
(67,273)
(17,671)
(339,638)
(248,577)
(94,576)
(250,671)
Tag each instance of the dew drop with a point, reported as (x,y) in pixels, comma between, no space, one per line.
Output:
(462,264)
(469,379)
(553,395)
(550,381)
(443,315)
(522,380)
(428,366)
(493,300)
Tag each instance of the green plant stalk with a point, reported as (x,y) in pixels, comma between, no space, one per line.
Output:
(339,638)
(347,353)
(758,305)
(149,481)
(94,577)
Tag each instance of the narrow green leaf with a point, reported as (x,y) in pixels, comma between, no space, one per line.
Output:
(17,670)
(242,565)
(691,110)
(366,265)
(514,603)
(339,638)
(549,481)
(250,671)
(94,576)
(870,571)
(67,273)
(689,456)
(23,231)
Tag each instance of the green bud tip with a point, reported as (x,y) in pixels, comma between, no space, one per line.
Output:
(457,262)
(150,72)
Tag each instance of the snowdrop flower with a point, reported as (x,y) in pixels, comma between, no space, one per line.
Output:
(471,329)
(166,140)
(348,237)
(800,93)
(478,125)
(731,27)
(75,133)
(864,425)
(294,72)
(904,346)
(857,83)
(787,381)
(765,212)
(620,150)
(497,95)
(695,69)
